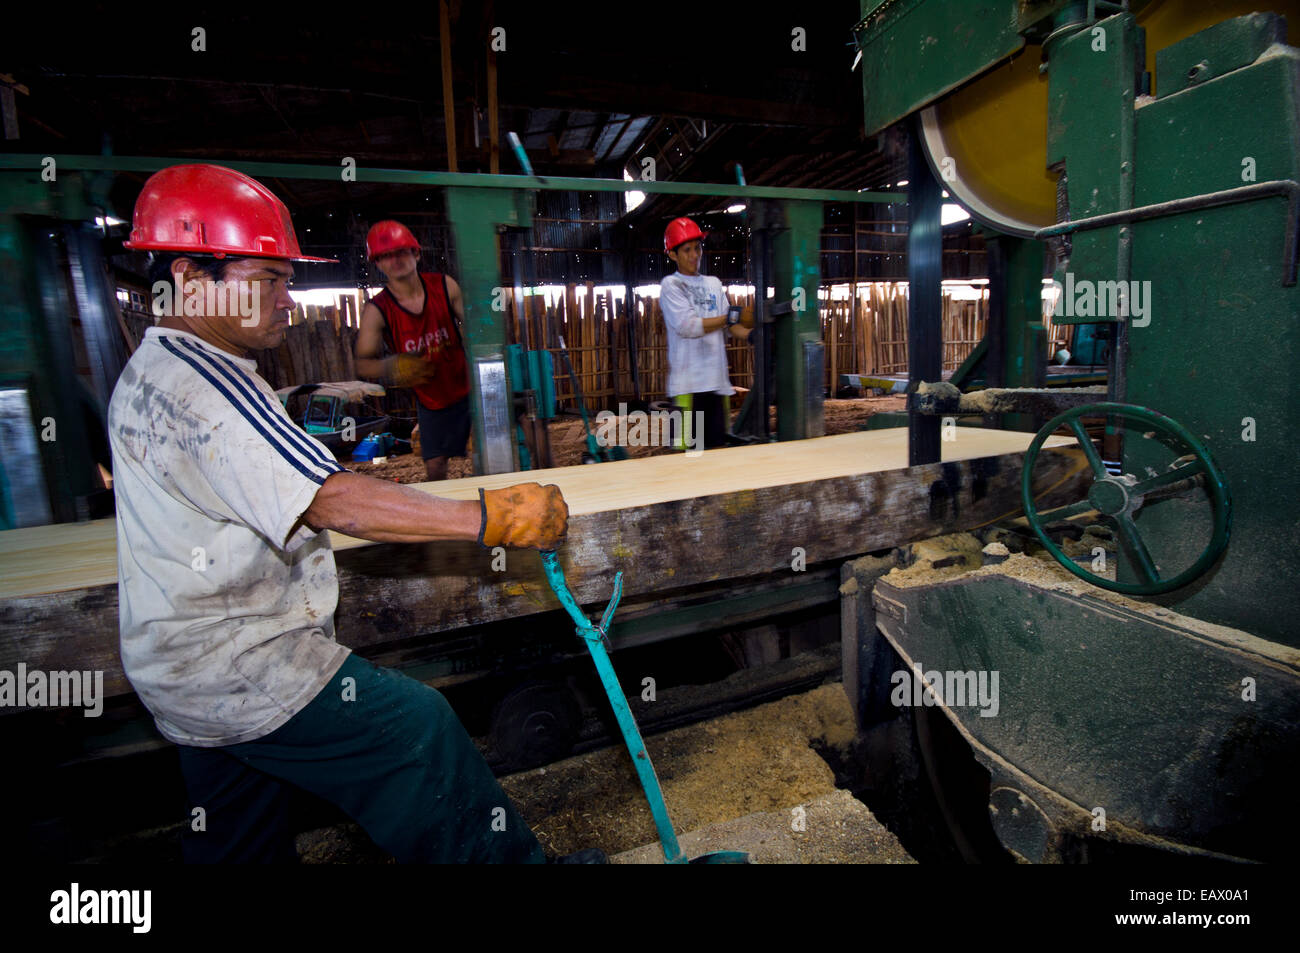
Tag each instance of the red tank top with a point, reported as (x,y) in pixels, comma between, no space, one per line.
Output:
(433,334)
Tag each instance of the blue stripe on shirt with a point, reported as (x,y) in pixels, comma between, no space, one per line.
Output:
(305,445)
(271,438)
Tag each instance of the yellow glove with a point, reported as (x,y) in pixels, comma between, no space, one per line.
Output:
(407,370)
(526,515)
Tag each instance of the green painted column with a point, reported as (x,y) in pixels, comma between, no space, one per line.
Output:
(478,216)
(1024,334)
(796,275)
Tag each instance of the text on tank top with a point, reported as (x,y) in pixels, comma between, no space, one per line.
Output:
(432,334)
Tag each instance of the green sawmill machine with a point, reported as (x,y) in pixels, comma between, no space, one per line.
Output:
(1146,156)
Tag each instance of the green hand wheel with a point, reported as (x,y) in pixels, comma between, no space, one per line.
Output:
(1118,498)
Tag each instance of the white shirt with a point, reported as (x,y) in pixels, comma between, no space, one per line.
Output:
(227,620)
(697,361)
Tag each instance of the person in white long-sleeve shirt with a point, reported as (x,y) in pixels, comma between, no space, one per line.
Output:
(698,315)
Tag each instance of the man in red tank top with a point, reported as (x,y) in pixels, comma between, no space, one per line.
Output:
(418,316)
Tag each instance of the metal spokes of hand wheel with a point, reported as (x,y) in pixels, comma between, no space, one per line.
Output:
(1118,498)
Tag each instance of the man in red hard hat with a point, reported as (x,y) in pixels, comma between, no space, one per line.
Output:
(227,580)
(418,316)
(697,314)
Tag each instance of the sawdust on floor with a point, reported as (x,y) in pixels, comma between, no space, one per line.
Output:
(755,761)
(1094,536)
(833,828)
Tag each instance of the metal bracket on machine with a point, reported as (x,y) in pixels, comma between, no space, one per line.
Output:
(22,501)
(814,360)
(498,455)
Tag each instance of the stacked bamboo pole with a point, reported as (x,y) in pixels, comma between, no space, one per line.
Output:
(865,333)
(594,326)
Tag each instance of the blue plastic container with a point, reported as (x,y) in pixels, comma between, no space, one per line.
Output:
(375,445)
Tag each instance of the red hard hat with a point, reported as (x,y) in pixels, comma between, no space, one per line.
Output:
(680,231)
(213,210)
(387,236)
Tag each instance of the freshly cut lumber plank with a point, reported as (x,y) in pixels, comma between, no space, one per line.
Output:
(68,556)
(624,483)
(671,525)
(57,558)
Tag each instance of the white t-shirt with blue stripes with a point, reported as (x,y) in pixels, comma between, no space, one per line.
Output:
(227,602)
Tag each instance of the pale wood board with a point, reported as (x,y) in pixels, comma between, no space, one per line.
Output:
(390,593)
(72,556)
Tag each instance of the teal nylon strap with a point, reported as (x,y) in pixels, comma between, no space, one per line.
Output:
(594,636)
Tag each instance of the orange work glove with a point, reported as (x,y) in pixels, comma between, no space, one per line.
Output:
(524,516)
(407,370)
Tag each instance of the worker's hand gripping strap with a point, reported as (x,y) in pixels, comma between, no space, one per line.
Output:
(526,515)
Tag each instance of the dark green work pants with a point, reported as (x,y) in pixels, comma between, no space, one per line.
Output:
(386,749)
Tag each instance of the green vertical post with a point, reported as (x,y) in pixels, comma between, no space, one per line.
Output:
(1024,344)
(796,276)
(477,217)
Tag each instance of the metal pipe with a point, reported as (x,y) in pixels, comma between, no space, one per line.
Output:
(924,297)
(763,331)
(289,170)
(1283,188)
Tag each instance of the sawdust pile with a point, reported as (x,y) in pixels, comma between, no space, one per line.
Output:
(994,400)
(988,402)
(743,763)
(1094,536)
(933,560)
(940,389)
(999,400)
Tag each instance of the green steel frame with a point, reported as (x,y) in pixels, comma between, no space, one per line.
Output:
(290,170)
(796,270)
(480,208)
